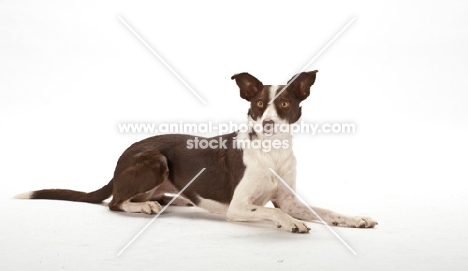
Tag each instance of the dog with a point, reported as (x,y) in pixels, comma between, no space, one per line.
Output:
(239,179)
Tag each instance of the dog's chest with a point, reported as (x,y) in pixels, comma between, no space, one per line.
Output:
(260,183)
(281,161)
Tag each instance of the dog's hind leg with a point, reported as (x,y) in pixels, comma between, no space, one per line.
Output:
(165,193)
(145,172)
(179,201)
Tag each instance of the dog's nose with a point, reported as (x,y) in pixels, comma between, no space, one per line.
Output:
(268,126)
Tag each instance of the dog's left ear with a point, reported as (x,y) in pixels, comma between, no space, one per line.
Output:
(249,85)
(301,85)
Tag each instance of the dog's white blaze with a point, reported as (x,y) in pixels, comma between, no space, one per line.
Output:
(270,112)
(26,195)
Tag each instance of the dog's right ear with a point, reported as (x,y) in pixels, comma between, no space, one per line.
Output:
(249,86)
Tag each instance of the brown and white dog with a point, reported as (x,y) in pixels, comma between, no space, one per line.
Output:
(237,181)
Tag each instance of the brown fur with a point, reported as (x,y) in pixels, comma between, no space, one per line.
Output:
(148,163)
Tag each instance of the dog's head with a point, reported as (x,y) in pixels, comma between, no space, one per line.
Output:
(270,110)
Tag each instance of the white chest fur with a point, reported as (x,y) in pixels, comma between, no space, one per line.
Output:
(259,185)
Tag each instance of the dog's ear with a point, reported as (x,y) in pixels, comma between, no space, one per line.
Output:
(249,86)
(301,85)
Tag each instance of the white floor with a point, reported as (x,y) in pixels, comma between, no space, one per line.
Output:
(52,235)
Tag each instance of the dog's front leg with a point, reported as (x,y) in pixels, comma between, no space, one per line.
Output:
(289,203)
(248,205)
(250,212)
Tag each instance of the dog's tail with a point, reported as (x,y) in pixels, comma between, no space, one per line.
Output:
(70,195)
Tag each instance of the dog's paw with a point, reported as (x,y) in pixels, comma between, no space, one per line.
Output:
(357,222)
(150,207)
(366,222)
(293,225)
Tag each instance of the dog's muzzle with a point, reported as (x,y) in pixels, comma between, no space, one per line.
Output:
(268,127)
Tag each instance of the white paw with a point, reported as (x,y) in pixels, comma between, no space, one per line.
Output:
(150,207)
(293,225)
(365,222)
(355,222)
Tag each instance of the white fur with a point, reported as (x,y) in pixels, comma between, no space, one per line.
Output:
(259,185)
(146,207)
(26,195)
(212,206)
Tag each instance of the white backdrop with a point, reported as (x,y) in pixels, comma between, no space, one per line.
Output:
(71,71)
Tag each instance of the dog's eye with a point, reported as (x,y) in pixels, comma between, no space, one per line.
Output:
(260,104)
(284,104)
